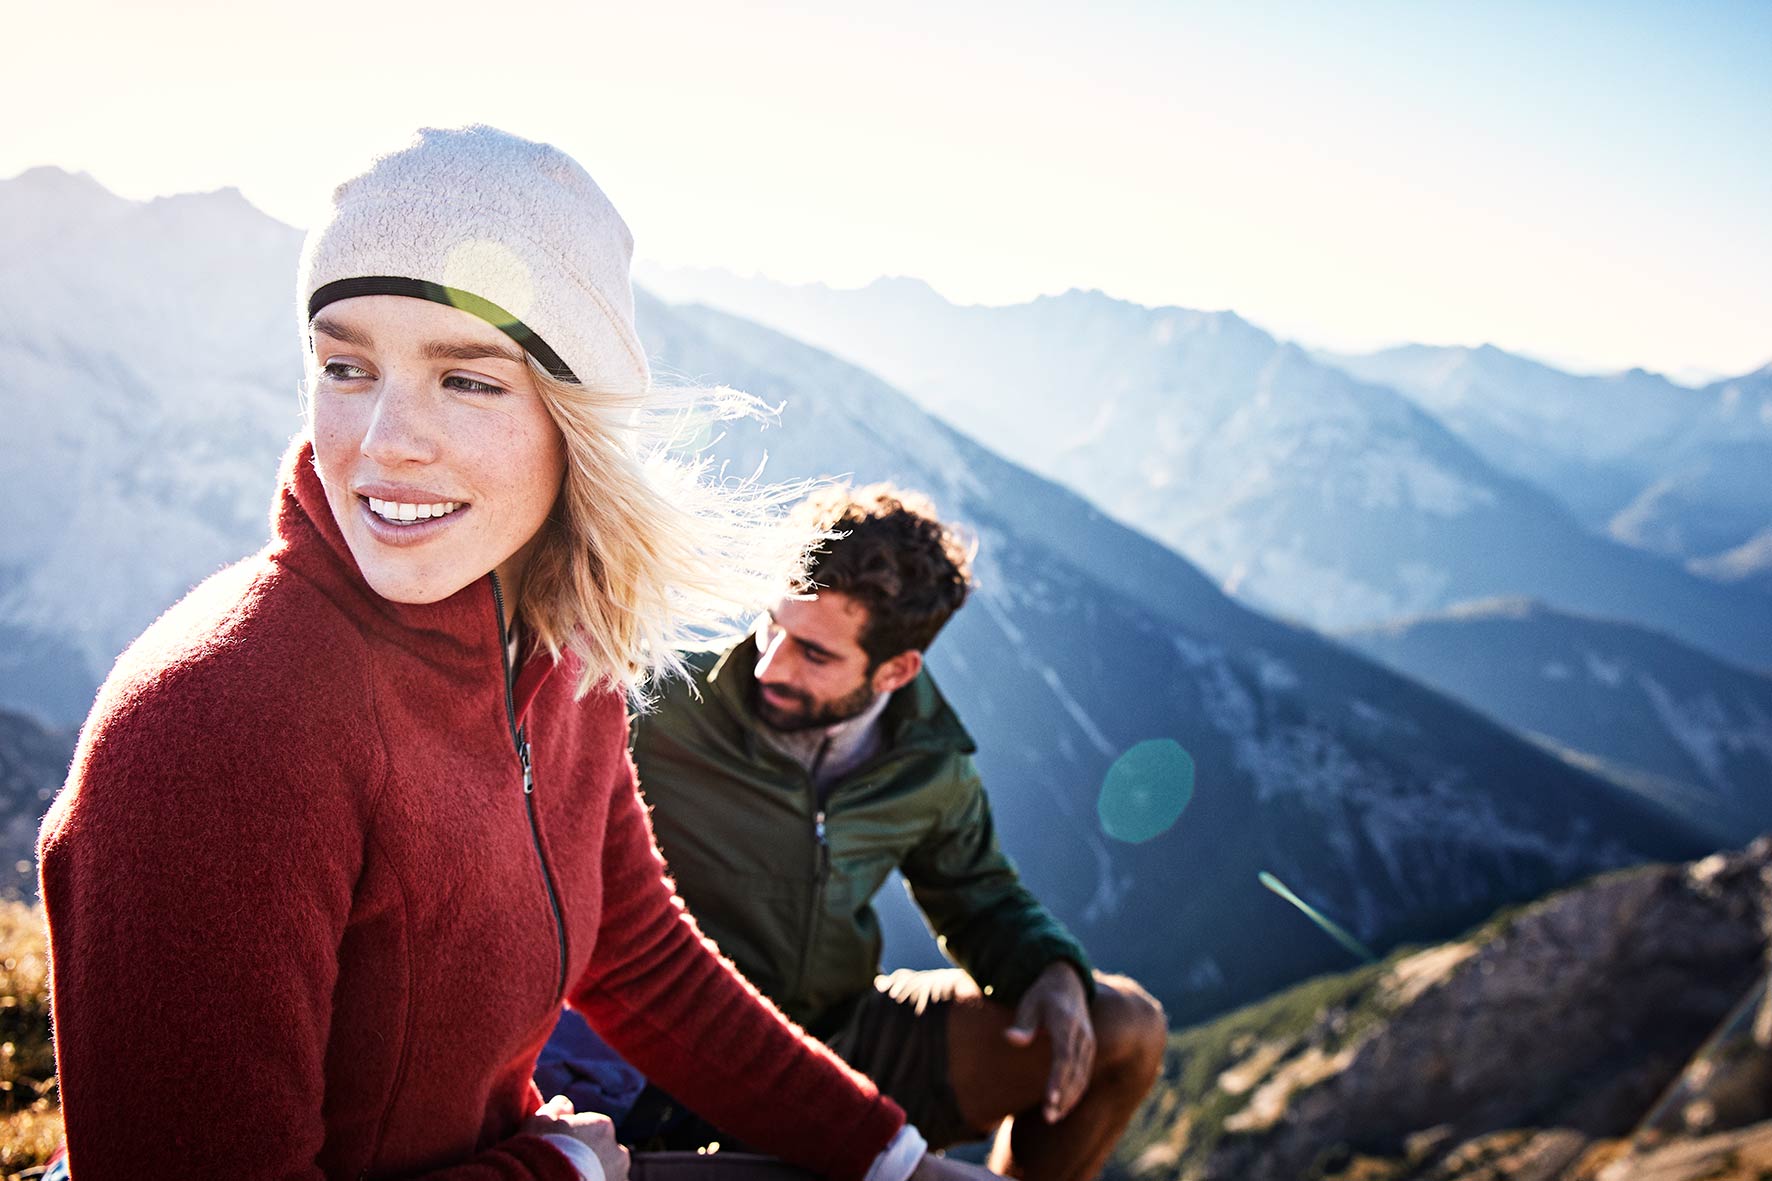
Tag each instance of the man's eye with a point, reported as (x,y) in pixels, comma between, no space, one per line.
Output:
(343,371)
(817,658)
(456,381)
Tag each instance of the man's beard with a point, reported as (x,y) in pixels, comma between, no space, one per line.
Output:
(808,713)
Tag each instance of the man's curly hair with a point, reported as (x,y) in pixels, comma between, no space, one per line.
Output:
(894,556)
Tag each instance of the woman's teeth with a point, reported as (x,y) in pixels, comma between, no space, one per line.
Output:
(389,510)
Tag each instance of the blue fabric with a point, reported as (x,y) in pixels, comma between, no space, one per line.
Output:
(58,1171)
(580,1065)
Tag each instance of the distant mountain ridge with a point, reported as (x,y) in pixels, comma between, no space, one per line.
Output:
(1675,471)
(33,764)
(152,375)
(1632,696)
(1298,488)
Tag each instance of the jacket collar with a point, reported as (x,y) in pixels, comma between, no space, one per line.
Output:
(916,717)
(461,633)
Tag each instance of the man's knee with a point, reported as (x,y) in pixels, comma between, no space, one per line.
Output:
(1131,1029)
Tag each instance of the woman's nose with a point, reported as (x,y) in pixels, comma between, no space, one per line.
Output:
(402,426)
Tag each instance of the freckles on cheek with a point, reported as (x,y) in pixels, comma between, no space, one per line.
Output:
(330,452)
(335,454)
(336,434)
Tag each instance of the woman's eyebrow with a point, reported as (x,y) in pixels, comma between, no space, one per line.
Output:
(433,350)
(468,350)
(342,332)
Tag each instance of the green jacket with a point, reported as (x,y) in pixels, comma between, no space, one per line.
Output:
(786,888)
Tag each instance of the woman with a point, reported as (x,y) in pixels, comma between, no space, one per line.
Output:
(351,821)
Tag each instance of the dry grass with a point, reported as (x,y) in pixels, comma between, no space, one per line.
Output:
(26,1140)
(30,1120)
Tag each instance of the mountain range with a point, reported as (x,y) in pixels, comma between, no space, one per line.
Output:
(33,762)
(1087,638)
(1396,811)
(151,377)
(1638,700)
(1300,489)
(1676,471)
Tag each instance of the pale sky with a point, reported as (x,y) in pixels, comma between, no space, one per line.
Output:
(1584,182)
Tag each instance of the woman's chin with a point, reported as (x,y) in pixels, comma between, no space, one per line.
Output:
(398,586)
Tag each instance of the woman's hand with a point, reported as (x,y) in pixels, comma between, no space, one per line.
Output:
(940,1168)
(596,1132)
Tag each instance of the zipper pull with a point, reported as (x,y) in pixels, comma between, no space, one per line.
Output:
(528,772)
(818,827)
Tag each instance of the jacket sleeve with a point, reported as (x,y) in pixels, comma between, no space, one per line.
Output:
(983,917)
(198,872)
(663,997)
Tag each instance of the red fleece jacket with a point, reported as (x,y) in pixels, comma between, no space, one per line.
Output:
(299,910)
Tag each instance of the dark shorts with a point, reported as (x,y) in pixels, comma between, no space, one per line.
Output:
(898,1036)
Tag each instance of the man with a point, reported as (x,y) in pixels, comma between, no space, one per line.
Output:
(800,768)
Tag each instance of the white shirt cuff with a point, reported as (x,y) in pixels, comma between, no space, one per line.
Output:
(898,1158)
(582,1158)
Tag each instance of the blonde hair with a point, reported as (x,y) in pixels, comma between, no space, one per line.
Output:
(649,547)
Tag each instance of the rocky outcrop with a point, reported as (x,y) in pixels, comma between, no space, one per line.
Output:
(1531,1049)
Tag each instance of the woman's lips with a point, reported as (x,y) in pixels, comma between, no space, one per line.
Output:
(406,533)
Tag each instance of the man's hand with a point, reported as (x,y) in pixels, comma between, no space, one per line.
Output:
(596,1132)
(1057,1003)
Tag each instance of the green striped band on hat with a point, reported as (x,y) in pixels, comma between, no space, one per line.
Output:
(453,297)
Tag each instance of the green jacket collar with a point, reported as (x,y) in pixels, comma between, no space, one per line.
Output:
(916,717)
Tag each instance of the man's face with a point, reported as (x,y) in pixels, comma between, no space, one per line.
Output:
(811,669)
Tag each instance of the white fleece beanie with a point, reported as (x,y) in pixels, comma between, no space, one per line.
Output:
(508,229)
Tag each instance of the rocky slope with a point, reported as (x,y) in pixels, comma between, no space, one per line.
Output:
(1568,1039)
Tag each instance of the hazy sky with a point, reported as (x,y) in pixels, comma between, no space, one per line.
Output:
(1587,182)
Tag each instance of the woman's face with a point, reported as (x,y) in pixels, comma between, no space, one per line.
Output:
(438,457)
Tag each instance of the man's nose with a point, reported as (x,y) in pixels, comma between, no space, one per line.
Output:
(402,427)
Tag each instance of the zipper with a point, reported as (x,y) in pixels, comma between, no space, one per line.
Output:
(821,855)
(821,865)
(520,741)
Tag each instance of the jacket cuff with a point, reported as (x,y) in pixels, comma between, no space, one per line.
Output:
(579,1153)
(899,1158)
(1017,974)
(1084,972)
(541,1158)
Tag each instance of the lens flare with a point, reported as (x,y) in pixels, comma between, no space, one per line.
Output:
(1314,915)
(1146,791)
(481,265)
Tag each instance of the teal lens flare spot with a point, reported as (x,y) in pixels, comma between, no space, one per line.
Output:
(1146,791)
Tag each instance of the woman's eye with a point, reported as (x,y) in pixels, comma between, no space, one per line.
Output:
(343,371)
(456,381)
